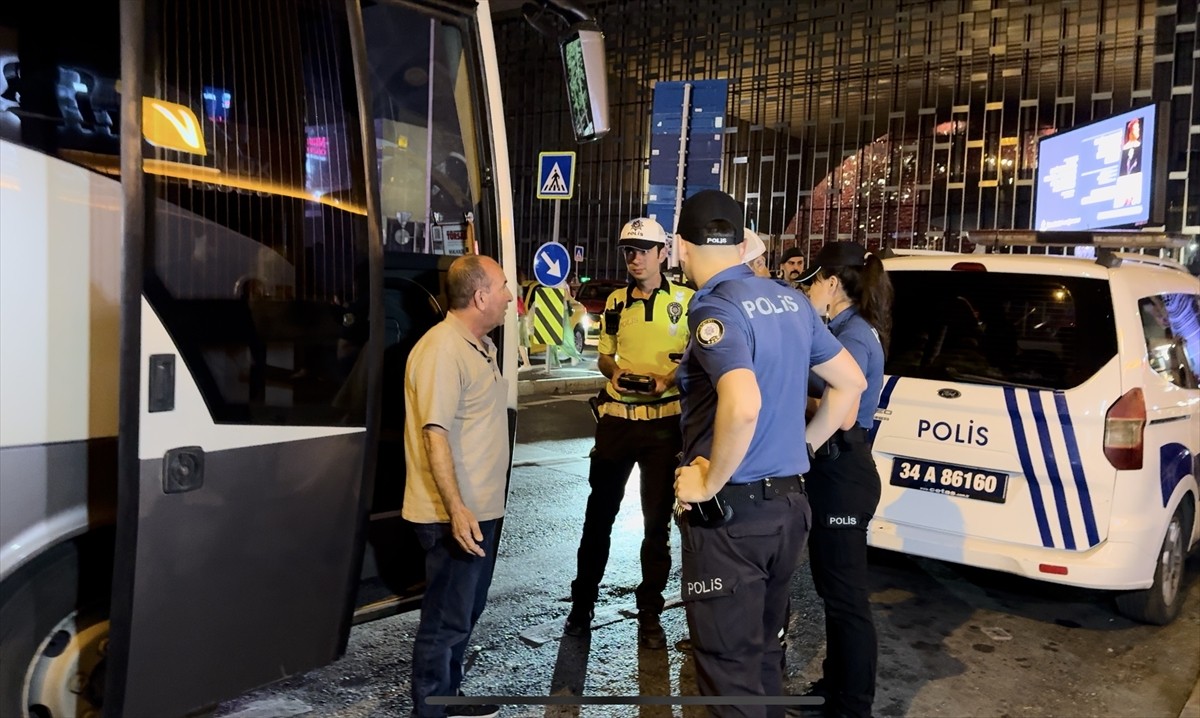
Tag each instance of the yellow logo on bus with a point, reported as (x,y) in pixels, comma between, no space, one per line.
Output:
(172,126)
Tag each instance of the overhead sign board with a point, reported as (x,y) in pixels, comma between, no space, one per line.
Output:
(556,175)
(551,264)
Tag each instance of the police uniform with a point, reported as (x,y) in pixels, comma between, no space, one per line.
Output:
(844,487)
(641,334)
(736,575)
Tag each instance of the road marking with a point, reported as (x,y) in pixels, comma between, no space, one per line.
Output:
(273,708)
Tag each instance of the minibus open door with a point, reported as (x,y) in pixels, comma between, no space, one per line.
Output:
(240,520)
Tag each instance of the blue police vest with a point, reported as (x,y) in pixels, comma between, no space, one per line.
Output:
(859,338)
(740,321)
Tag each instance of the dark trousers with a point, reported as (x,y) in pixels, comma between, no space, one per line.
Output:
(455,593)
(844,493)
(620,443)
(736,581)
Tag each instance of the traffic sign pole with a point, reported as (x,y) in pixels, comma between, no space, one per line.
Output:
(557,212)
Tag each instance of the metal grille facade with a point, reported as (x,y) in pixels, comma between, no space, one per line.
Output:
(902,124)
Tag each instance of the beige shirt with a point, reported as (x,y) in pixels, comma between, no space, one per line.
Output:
(452,380)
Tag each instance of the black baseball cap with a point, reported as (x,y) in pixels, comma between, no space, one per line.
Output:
(836,254)
(702,208)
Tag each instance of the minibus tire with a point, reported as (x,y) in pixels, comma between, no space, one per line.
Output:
(1150,605)
(73,577)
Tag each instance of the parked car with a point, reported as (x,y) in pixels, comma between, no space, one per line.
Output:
(1041,416)
(578,323)
(593,294)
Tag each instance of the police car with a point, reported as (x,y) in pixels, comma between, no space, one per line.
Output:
(1040,415)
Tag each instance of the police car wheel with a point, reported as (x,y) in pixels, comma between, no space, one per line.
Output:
(1160,604)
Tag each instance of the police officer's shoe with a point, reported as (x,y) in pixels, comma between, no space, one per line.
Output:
(476,710)
(579,621)
(818,689)
(650,631)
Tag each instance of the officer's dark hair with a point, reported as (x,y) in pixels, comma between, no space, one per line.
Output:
(466,275)
(871,291)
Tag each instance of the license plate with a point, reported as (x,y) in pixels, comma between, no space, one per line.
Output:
(948,479)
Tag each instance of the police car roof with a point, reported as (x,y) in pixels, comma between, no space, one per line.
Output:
(1145,271)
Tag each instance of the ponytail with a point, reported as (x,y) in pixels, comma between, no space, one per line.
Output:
(871,291)
(875,300)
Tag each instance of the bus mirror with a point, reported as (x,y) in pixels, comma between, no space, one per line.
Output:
(587,80)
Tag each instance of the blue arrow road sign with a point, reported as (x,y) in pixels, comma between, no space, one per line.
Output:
(551,264)
(556,175)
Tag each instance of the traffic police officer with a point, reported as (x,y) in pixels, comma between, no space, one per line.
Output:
(746,446)
(642,326)
(852,291)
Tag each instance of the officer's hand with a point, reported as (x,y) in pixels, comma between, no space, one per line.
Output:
(661,384)
(465,530)
(617,375)
(691,483)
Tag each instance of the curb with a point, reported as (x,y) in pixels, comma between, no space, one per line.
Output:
(1191,709)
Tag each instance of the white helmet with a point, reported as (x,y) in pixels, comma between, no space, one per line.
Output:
(642,233)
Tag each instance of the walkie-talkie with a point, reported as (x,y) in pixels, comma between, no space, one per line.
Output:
(612,319)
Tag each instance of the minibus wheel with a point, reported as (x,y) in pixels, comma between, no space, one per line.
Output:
(54,633)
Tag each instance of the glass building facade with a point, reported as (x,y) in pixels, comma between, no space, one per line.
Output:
(901,124)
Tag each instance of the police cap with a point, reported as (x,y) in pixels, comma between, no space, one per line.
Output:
(702,209)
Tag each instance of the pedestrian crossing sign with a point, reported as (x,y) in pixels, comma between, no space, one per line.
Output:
(556,175)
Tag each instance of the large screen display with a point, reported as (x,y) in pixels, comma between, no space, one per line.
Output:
(1100,175)
(587,82)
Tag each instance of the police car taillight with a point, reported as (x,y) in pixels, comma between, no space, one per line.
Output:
(968,267)
(1123,429)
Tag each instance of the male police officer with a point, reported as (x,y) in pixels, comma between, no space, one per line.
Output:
(746,447)
(791,266)
(643,324)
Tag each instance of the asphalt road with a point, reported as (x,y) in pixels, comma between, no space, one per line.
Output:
(953,641)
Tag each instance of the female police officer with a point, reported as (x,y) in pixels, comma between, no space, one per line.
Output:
(850,289)
(739,444)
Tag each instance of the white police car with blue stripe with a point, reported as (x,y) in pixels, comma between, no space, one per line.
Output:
(1041,416)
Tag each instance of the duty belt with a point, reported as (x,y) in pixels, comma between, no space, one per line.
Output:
(764,489)
(639,412)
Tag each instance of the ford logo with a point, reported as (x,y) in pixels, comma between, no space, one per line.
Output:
(949,393)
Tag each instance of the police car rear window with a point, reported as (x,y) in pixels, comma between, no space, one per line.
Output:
(1022,330)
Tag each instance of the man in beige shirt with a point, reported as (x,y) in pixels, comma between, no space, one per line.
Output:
(456,456)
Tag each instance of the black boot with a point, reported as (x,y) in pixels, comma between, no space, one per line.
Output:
(820,689)
(650,631)
(579,621)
